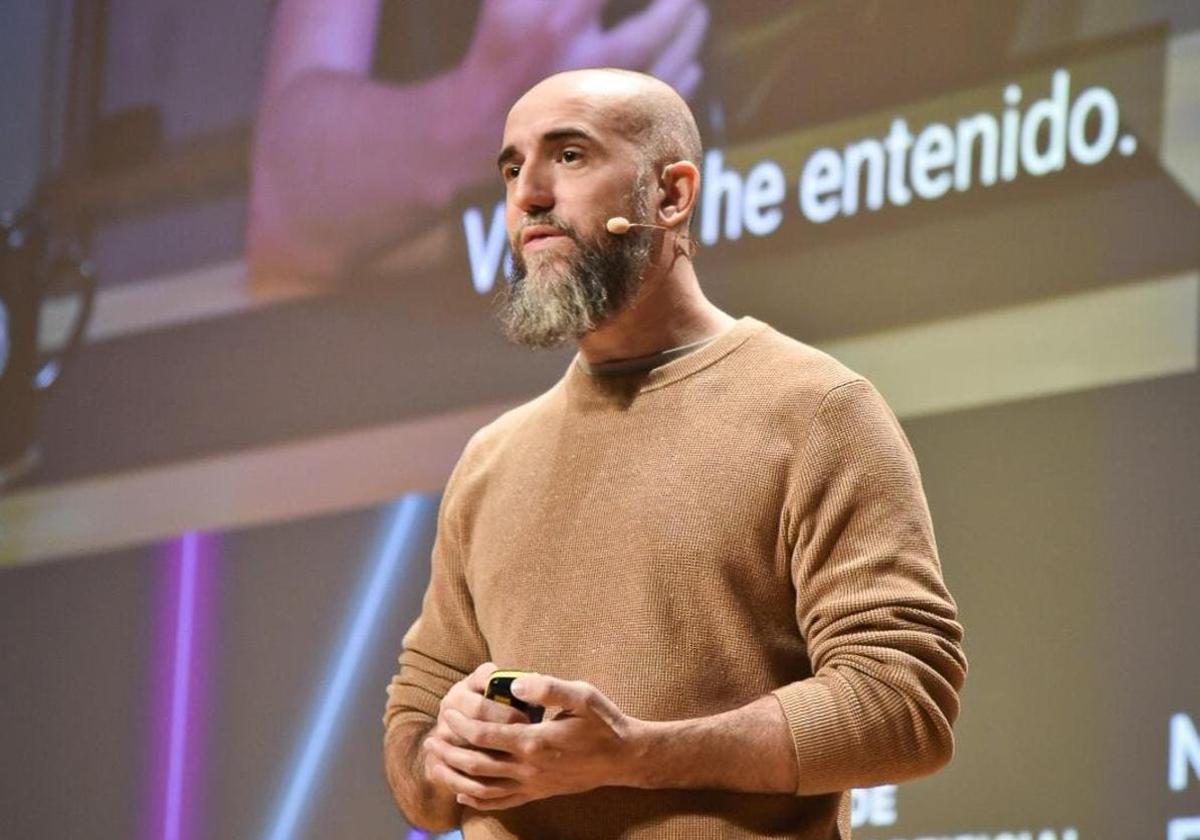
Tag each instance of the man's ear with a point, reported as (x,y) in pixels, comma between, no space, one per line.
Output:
(680,184)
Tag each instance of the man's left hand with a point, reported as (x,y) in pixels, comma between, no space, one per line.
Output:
(589,744)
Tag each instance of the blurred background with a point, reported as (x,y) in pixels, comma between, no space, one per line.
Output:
(247,257)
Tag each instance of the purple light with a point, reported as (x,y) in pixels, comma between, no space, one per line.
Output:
(184,607)
(177,748)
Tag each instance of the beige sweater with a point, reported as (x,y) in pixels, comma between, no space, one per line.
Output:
(746,519)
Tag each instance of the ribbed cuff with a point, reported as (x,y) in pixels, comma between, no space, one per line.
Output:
(817,736)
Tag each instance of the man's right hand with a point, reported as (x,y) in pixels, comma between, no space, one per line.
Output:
(466,698)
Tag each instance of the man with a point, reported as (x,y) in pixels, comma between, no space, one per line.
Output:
(710,540)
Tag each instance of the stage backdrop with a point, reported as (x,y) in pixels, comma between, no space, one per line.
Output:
(217,522)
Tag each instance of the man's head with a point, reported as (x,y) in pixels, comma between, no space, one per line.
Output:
(579,148)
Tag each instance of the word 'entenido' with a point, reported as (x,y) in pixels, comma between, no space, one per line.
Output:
(928,164)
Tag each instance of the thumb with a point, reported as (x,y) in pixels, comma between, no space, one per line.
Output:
(550,691)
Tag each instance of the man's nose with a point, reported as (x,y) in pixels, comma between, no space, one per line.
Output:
(533,191)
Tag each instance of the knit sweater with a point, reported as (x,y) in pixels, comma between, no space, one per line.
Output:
(745,520)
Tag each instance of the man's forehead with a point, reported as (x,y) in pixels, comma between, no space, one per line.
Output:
(583,99)
(533,116)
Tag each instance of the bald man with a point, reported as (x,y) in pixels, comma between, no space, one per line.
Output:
(709,540)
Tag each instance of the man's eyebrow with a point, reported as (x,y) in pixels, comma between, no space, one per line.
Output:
(565,133)
(506,154)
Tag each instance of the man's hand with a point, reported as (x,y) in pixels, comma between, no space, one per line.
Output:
(464,701)
(492,764)
(489,757)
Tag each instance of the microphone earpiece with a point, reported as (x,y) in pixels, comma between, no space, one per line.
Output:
(619,225)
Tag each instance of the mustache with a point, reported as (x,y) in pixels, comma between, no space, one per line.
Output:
(544,219)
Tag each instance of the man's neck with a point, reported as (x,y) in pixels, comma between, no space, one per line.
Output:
(665,314)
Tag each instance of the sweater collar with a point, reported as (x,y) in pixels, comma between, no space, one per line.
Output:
(624,387)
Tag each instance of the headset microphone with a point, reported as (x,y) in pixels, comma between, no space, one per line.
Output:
(619,225)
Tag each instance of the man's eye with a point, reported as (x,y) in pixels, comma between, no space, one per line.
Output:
(571,155)
(511,171)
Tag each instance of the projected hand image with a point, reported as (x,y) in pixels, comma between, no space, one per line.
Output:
(353,171)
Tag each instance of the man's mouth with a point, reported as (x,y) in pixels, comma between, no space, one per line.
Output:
(538,235)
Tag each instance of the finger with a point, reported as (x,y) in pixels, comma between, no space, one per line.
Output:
(498,804)
(477,679)
(477,763)
(682,50)
(439,748)
(574,697)
(495,712)
(637,41)
(569,18)
(480,708)
(501,737)
(442,732)
(688,81)
(479,789)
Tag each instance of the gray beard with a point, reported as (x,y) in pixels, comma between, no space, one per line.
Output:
(569,297)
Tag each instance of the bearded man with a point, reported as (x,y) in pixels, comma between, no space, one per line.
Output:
(708,539)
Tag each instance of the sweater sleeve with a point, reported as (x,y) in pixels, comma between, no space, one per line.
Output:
(444,644)
(880,626)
